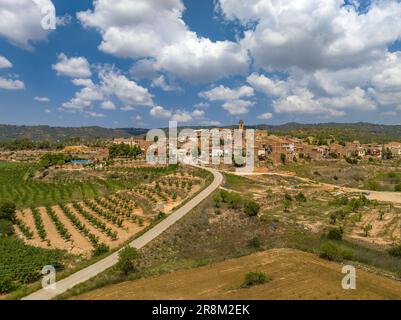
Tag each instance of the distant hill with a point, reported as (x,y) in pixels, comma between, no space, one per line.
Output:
(364,132)
(361,131)
(37,133)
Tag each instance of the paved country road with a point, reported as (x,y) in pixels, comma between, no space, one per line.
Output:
(100,266)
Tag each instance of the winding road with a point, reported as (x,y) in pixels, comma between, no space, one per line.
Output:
(104,264)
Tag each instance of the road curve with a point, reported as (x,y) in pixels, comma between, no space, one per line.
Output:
(100,266)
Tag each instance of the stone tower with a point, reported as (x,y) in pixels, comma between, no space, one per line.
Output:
(241,125)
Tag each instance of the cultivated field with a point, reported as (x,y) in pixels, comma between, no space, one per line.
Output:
(295,275)
(81,226)
(64,228)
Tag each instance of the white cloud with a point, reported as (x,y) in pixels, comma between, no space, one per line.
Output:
(238,107)
(10,84)
(94,114)
(20,21)
(41,99)
(83,82)
(202,105)
(182,116)
(265,116)
(127,108)
(222,93)
(128,91)
(274,88)
(108,105)
(4,63)
(75,67)
(48,111)
(198,113)
(160,112)
(315,34)
(155,30)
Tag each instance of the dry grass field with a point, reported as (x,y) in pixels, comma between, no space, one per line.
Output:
(295,275)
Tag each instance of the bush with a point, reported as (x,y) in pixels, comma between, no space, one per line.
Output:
(335,234)
(217,200)
(6,285)
(6,228)
(300,197)
(255,243)
(100,249)
(329,251)
(7,211)
(397,188)
(395,251)
(251,208)
(347,254)
(255,278)
(128,260)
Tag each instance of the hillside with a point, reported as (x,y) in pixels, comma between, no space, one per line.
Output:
(364,132)
(41,133)
(295,275)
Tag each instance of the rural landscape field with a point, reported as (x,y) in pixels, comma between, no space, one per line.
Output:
(200,150)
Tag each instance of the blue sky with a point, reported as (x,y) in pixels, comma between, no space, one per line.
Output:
(200,62)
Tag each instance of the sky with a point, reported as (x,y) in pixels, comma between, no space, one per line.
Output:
(141,63)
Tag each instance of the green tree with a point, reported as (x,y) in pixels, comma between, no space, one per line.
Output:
(6,228)
(283,158)
(8,211)
(300,197)
(251,208)
(128,260)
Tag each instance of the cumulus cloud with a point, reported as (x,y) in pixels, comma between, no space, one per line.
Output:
(155,31)
(181,116)
(5,63)
(160,112)
(10,84)
(75,67)
(238,107)
(265,116)
(112,83)
(20,21)
(222,93)
(108,105)
(274,88)
(315,34)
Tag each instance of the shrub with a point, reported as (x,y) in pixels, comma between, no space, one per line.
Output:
(287,197)
(300,197)
(347,254)
(335,234)
(366,229)
(255,278)
(397,188)
(251,208)
(128,260)
(395,251)
(100,249)
(6,285)
(329,251)
(217,200)
(7,211)
(255,243)
(6,228)
(283,158)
